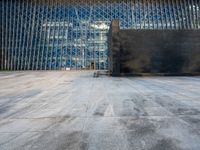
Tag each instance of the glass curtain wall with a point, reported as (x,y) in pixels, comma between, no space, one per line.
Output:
(63,34)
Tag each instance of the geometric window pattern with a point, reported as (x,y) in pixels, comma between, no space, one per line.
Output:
(60,34)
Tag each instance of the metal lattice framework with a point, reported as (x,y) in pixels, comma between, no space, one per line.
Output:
(60,34)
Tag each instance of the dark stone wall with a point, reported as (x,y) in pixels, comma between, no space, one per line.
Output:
(157,51)
(114,44)
(1,60)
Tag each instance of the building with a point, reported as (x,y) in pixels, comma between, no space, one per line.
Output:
(63,34)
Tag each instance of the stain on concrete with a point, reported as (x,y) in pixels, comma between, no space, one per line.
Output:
(98,114)
(194,121)
(184,111)
(100,110)
(166,144)
(4,109)
(5,122)
(140,127)
(30,93)
(72,141)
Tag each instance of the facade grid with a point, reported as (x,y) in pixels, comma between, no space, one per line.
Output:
(62,34)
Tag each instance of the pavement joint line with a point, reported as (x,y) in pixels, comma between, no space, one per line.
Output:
(98,117)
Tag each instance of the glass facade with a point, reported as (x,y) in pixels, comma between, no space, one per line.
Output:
(63,34)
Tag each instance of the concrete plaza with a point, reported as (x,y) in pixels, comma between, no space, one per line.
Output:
(74,111)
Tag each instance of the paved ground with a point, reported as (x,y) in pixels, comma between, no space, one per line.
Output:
(73,110)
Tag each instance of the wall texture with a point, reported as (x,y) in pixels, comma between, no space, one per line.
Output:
(155,51)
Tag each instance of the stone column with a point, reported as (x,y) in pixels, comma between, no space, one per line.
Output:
(114,48)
